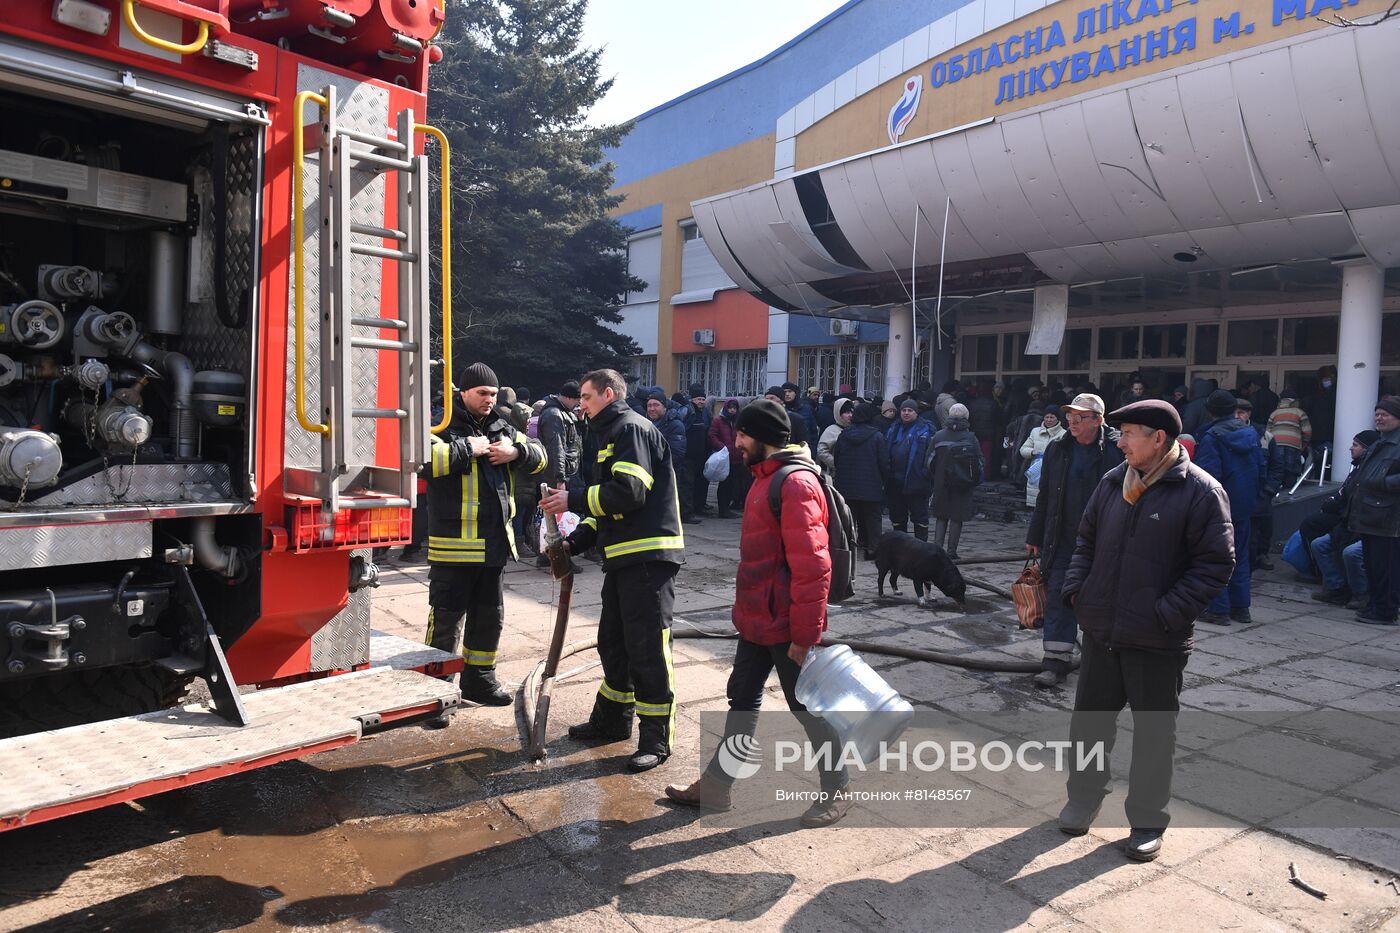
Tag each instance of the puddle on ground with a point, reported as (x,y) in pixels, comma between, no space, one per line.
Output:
(984,632)
(429,848)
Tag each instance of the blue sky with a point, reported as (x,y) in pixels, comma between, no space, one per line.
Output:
(659,50)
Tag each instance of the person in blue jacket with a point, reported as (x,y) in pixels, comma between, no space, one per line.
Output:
(1228,449)
(909,486)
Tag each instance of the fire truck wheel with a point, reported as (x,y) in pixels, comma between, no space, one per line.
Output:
(71,699)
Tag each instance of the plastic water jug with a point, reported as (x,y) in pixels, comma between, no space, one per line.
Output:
(860,707)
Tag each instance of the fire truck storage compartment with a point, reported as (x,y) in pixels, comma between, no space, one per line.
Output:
(127,289)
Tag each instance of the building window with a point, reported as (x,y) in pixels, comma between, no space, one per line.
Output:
(644,368)
(1118,343)
(1207,344)
(1164,342)
(979,354)
(690,231)
(1252,338)
(1077,350)
(1310,336)
(1013,355)
(872,369)
(737,372)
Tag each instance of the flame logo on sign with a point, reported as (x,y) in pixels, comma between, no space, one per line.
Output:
(740,756)
(904,109)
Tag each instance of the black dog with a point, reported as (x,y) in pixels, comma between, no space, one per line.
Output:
(928,565)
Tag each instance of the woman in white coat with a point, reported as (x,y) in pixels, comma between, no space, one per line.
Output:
(1034,449)
(842,408)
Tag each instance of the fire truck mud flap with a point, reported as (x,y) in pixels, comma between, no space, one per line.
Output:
(48,775)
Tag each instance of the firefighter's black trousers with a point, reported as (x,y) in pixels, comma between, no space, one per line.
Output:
(634,643)
(466,606)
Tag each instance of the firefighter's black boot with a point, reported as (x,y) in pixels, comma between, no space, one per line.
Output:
(653,747)
(479,686)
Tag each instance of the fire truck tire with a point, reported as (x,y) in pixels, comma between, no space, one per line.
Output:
(72,699)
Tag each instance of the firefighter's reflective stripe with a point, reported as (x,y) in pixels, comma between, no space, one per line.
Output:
(664,710)
(595,505)
(456,550)
(605,453)
(672,543)
(591,522)
(520,441)
(442,458)
(635,470)
(617,696)
(480,658)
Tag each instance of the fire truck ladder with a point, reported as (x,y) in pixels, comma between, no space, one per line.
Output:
(341,483)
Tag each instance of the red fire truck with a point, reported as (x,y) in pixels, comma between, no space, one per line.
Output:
(217,332)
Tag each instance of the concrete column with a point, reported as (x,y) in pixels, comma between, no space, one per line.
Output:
(899,353)
(1358,358)
(777,371)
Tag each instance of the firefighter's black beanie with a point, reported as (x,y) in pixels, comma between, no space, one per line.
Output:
(477,374)
(765,421)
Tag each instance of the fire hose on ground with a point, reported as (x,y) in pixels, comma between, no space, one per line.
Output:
(537,688)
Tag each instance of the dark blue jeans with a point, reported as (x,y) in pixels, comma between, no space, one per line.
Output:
(752,664)
(1061,629)
(1236,592)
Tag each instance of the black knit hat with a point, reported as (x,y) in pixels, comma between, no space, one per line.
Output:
(477,374)
(697,390)
(775,391)
(1221,402)
(569,390)
(1151,413)
(1390,403)
(1367,438)
(765,421)
(793,386)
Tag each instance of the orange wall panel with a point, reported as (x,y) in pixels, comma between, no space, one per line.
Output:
(739,320)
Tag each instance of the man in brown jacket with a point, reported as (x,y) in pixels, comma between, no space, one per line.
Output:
(1155,546)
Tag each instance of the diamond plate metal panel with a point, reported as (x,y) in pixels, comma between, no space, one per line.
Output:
(49,769)
(365,108)
(344,641)
(63,545)
(205,340)
(144,483)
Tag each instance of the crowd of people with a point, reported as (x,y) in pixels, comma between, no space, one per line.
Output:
(1114,491)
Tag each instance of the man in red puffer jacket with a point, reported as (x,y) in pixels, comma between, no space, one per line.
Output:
(779,603)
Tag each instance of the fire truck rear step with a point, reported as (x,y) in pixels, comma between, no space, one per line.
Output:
(48,775)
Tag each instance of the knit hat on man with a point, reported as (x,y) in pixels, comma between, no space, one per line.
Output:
(775,391)
(765,421)
(697,390)
(570,390)
(1367,438)
(477,374)
(1390,403)
(909,403)
(957,412)
(1221,402)
(792,386)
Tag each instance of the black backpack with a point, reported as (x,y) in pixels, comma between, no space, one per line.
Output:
(840,528)
(962,470)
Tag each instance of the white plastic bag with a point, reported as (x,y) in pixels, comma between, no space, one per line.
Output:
(568,524)
(717,466)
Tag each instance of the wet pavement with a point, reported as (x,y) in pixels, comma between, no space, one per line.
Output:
(455,830)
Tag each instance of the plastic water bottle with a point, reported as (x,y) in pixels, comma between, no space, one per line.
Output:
(860,707)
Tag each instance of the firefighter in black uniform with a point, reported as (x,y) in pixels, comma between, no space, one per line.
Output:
(470,504)
(632,513)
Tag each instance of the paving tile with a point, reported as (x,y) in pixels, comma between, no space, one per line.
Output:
(1253,870)
(1347,672)
(1356,830)
(1174,905)
(1235,792)
(1295,760)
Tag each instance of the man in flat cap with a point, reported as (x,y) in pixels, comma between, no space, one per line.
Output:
(471,503)
(1154,547)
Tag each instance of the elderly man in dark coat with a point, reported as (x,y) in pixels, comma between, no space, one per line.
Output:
(1155,546)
